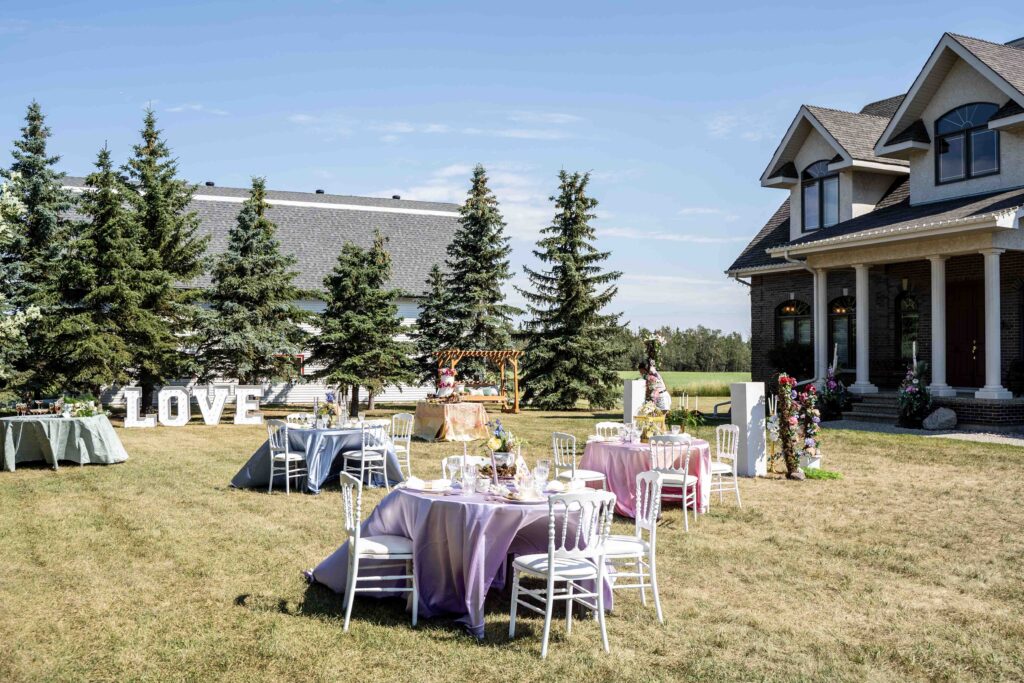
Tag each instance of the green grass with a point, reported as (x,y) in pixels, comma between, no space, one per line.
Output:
(906,569)
(822,474)
(696,383)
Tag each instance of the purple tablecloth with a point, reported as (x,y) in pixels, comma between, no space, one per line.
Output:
(460,545)
(621,462)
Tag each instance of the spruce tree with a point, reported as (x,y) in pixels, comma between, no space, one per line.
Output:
(103,286)
(357,344)
(478,267)
(13,344)
(571,344)
(432,326)
(254,328)
(168,232)
(42,217)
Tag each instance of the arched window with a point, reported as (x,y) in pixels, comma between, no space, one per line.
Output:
(819,207)
(793,322)
(907,317)
(842,325)
(964,145)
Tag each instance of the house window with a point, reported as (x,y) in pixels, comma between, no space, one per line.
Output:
(964,146)
(793,322)
(907,318)
(820,205)
(842,330)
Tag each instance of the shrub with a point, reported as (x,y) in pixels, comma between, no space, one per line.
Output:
(687,419)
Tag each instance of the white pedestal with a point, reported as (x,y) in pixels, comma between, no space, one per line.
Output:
(748,413)
(633,391)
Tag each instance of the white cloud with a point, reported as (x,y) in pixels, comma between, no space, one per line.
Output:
(707,211)
(549,118)
(722,125)
(197,108)
(661,236)
(390,139)
(747,127)
(330,127)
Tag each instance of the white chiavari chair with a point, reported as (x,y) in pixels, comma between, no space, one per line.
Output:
(563,448)
(372,456)
(724,465)
(671,458)
(633,557)
(578,526)
(282,458)
(401,439)
(609,430)
(386,552)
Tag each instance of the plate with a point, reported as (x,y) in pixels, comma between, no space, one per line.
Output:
(528,501)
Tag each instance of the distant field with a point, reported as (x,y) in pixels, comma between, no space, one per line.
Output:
(697,383)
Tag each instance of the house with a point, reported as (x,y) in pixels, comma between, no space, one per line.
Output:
(901,228)
(313,226)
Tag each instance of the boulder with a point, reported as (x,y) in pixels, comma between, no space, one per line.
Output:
(941,418)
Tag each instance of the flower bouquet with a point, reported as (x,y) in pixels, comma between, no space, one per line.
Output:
(810,419)
(913,399)
(834,397)
(330,409)
(504,446)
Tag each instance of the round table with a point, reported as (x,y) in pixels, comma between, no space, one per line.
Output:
(461,545)
(621,462)
(82,440)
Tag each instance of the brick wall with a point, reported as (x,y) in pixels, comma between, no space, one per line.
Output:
(985,413)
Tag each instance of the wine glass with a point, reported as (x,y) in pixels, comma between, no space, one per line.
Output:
(542,471)
(454,468)
(469,475)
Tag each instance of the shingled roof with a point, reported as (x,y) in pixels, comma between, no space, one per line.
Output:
(313,227)
(775,233)
(1005,60)
(856,133)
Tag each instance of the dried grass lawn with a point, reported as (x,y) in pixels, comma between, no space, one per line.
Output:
(909,568)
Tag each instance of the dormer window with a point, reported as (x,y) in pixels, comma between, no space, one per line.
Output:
(820,205)
(964,145)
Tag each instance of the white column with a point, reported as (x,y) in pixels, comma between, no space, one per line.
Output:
(863,384)
(747,413)
(993,338)
(820,324)
(938,386)
(633,391)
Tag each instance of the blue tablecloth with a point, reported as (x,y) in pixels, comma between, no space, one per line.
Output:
(323,448)
(83,440)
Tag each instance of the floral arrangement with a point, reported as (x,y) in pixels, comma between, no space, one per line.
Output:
(789,425)
(648,409)
(502,440)
(914,400)
(330,407)
(685,418)
(83,409)
(834,396)
(810,419)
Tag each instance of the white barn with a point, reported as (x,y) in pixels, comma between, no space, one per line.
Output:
(313,226)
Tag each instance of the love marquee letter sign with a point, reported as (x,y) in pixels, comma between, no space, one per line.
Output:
(174,405)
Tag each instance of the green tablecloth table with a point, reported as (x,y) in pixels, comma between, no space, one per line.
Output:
(84,440)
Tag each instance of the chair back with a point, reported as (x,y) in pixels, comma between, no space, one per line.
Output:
(609,429)
(351,504)
(401,426)
(477,460)
(373,435)
(579,524)
(670,456)
(648,503)
(563,448)
(277,436)
(727,439)
(298,418)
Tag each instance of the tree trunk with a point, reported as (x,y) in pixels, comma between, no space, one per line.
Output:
(369,401)
(353,406)
(148,388)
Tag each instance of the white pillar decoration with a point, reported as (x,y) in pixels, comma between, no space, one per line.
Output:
(863,384)
(820,324)
(182,412)
(993,334)
(938,386)
(247,405)
(132,416)
(212,409)
(633,392)
(748,413)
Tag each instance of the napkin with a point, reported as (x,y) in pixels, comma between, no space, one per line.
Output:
(555,486)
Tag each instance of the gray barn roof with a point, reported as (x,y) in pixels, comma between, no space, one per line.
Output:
(313,227)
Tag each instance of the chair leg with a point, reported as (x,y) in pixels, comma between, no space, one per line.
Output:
(287,476)
(270,484)
(736,483)
(415,592)
(654,586)
(643,587)
(384,473)
(515,605)
(721,488)
(353,574)
(600,607)
(568,608)
(549,605)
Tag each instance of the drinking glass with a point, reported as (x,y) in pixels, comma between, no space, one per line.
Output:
(362,418)
(675,429)
(542,471)
(469,476)
(454,468)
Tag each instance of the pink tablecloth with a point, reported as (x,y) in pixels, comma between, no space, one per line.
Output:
(621,462)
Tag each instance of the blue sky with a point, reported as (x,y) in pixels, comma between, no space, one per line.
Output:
(674,108)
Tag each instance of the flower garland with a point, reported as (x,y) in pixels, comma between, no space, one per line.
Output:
(810,419)
(789,422)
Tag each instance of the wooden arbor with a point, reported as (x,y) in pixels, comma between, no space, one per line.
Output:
(503,359)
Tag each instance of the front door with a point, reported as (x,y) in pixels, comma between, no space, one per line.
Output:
(965,334)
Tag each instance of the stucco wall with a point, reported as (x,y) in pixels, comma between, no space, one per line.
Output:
(964,85)
(814,148)
(868,189)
